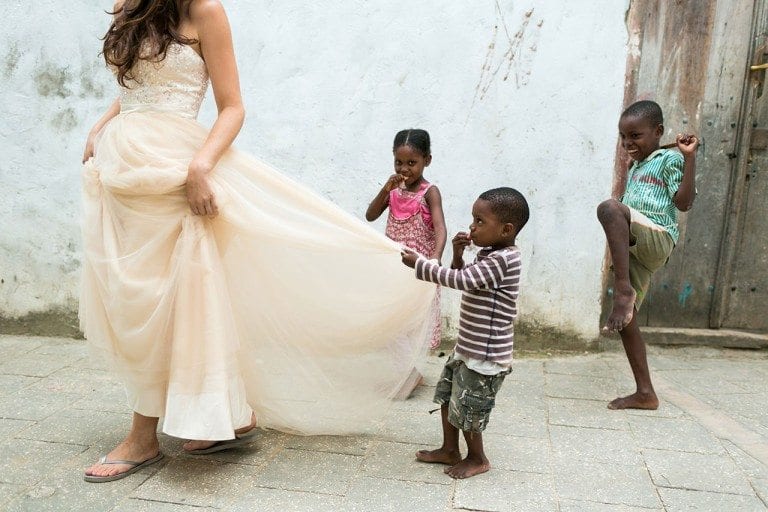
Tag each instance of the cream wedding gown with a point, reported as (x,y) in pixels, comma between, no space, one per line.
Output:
(284,304)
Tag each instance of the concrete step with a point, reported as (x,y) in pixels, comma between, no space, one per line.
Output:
(725,338)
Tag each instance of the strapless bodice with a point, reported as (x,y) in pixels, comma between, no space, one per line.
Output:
(176,84)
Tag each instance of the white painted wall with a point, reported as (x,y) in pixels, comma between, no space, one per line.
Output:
(510,98)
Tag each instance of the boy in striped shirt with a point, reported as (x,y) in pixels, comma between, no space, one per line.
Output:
(483,354)
(642,230)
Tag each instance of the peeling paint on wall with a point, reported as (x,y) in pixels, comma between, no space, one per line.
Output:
(65,121)
(685,293)
(89,89)
(53,80)
(12,57)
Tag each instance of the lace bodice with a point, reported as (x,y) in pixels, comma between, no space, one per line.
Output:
(175,84)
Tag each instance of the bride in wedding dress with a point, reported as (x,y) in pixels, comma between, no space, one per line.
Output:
(223,294)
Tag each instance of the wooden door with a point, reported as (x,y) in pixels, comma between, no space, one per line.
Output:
(693,58)
(742,299)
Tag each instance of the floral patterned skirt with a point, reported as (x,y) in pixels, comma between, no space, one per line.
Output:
(416,235)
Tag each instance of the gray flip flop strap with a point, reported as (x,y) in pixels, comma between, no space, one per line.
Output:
(104,460)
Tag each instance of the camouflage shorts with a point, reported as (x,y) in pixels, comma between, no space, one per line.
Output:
(470,396)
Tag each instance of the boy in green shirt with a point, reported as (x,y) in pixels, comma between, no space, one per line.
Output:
(641,230)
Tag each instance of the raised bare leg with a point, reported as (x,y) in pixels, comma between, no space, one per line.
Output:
(140,445)
(634,346)
(475,462)
(615,219)
(449,452)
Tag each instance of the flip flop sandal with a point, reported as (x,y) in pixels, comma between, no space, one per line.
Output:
(135,466)
(228,444)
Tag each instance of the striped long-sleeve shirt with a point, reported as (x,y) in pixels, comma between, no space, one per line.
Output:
(489,303)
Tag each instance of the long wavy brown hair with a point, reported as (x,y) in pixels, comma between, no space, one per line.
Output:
(143,29)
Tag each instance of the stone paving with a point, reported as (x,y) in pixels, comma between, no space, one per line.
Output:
(552,443)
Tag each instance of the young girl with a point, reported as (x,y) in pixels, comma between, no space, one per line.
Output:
(415,208)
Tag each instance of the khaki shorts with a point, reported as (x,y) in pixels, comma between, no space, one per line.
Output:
(649,248)
(470,396)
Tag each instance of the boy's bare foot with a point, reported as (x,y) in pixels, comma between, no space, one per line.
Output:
(439,456)
(202,445)
(467,468)
(623,310)
(636,401)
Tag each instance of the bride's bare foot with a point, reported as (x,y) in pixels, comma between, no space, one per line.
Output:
(249,427)
(194,445)
(467,468)
(623,310)
(136,451)
(439,456)
(636,401)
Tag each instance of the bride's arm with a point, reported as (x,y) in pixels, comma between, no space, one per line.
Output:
(213,32)
(111,112)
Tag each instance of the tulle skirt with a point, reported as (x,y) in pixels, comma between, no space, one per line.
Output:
(284,304)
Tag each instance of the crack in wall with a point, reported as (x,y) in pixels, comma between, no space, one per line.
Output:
(516,59)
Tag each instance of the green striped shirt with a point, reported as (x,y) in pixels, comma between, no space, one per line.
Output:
(651,185)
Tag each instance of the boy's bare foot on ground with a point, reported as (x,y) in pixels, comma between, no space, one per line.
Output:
(467,468)
(439,456)
(202,445)
(636,401)
(623,310)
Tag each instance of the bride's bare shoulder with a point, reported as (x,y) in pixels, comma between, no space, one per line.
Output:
(209,20)
(204,8)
